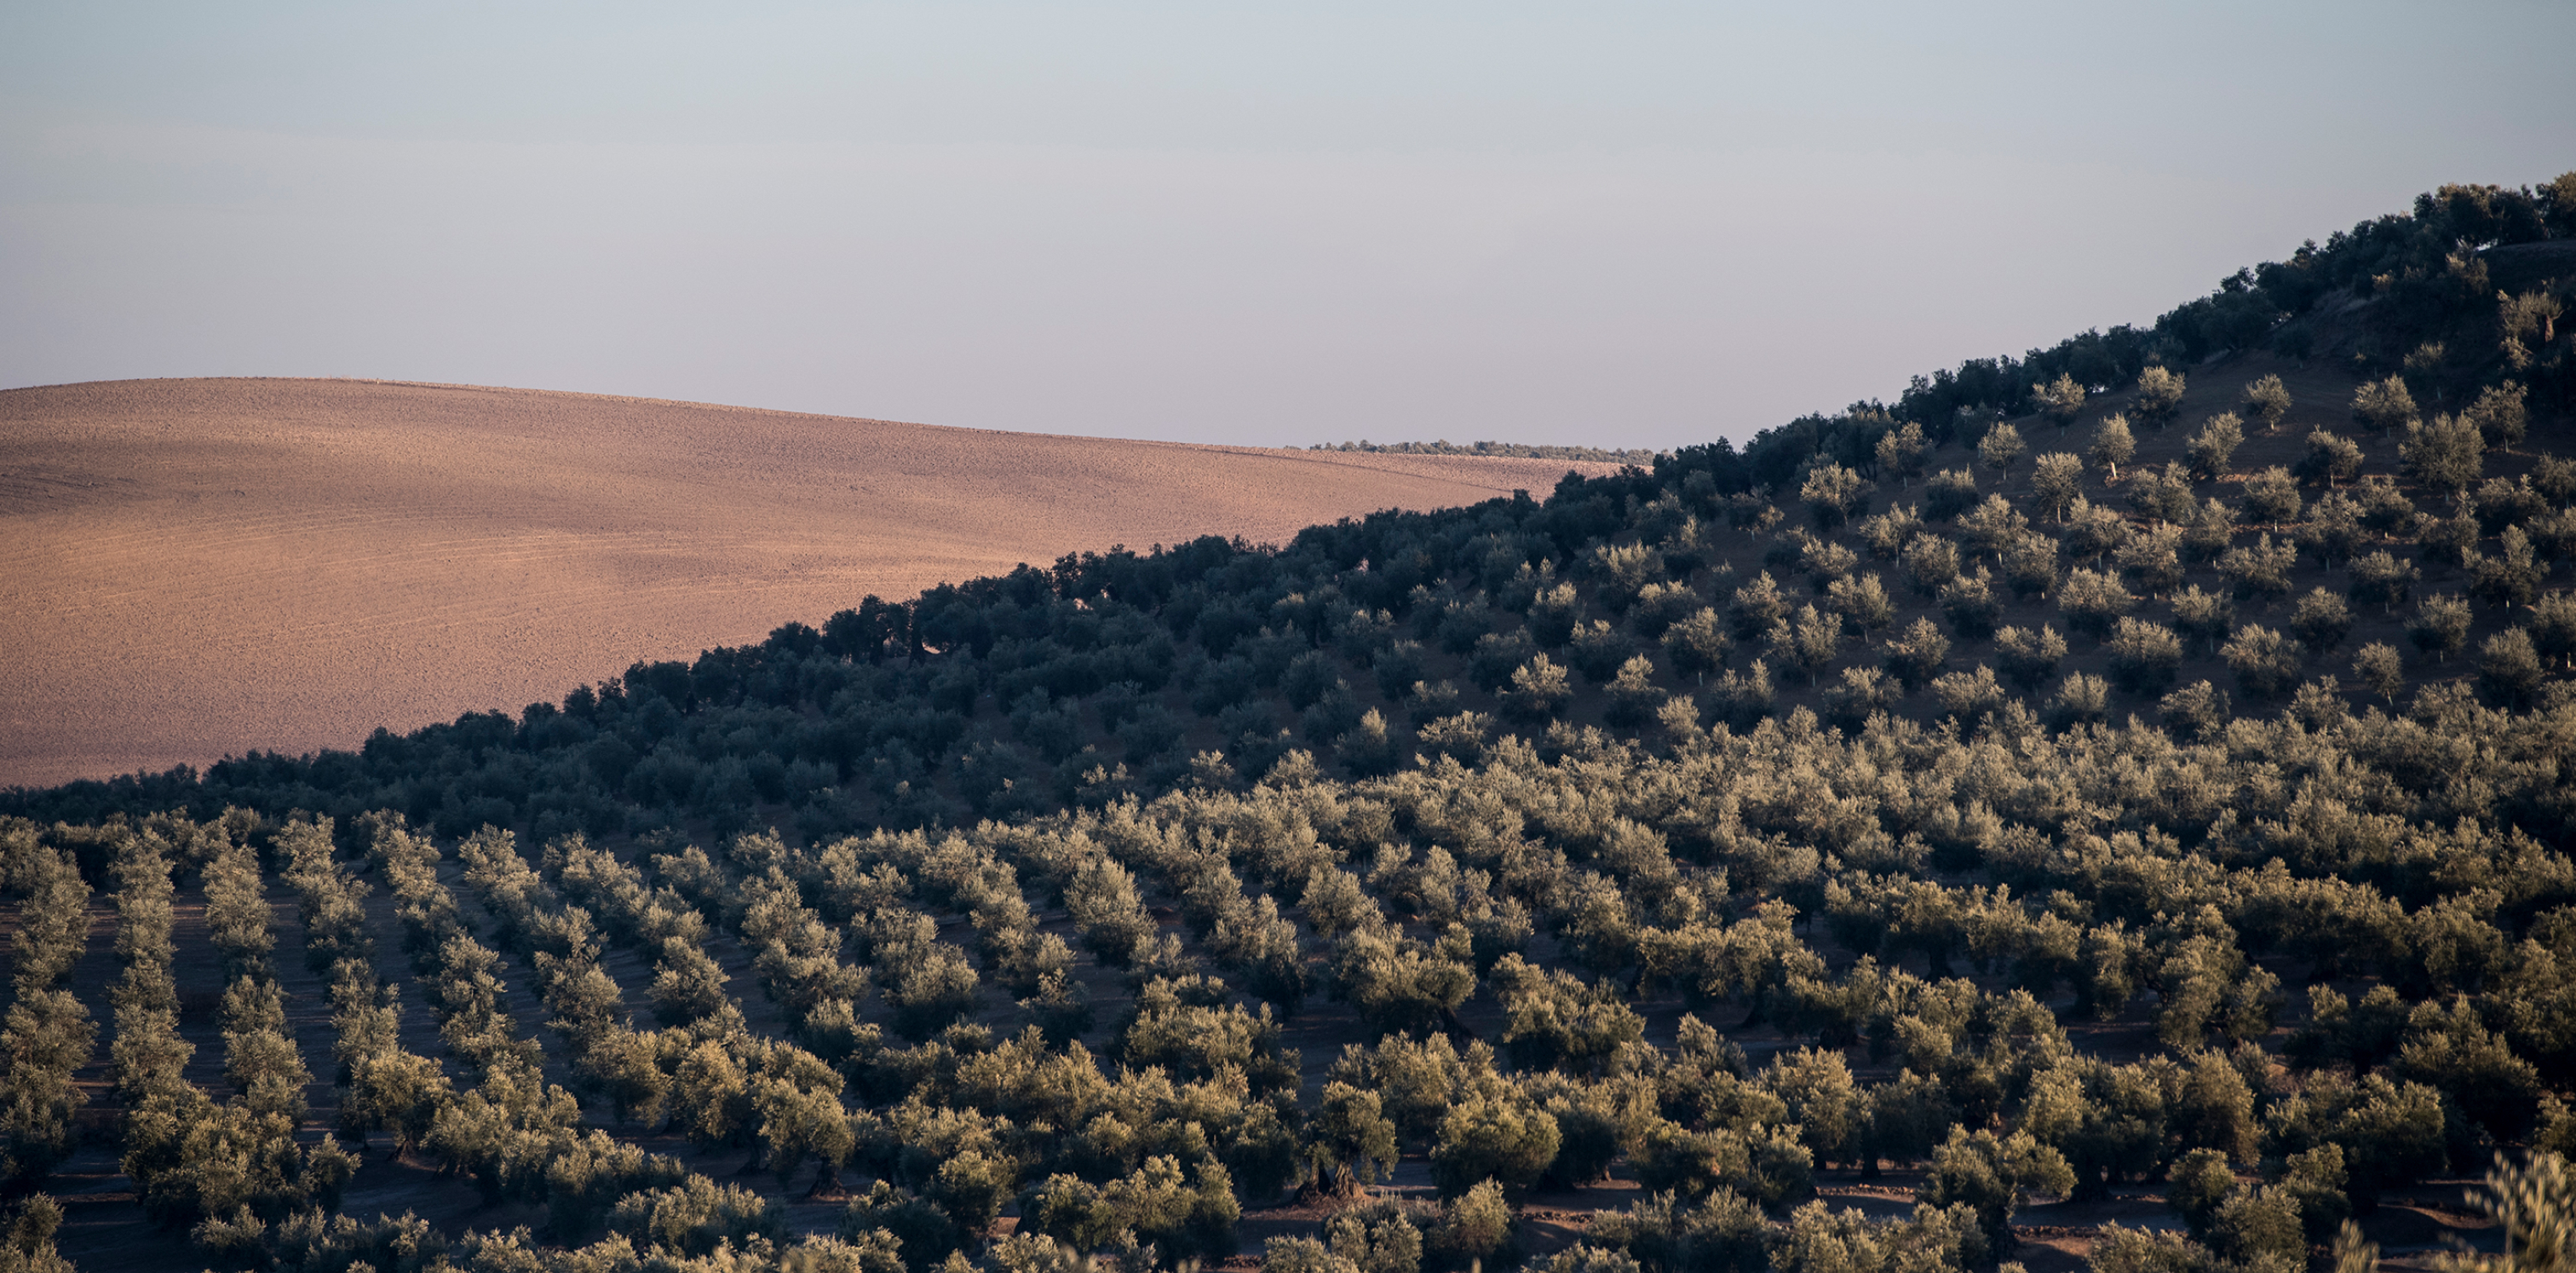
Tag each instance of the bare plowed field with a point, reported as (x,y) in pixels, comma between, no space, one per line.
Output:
(193,568)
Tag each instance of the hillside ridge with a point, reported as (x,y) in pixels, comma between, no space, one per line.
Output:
(175,547)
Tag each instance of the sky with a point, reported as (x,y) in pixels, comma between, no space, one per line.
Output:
(1613,224)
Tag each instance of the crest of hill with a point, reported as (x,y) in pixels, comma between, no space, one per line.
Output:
(196,568)
(2451,308)
(1519,450)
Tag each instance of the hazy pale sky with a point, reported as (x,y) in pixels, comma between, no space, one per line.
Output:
(1620,224)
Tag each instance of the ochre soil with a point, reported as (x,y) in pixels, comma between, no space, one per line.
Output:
(196,568)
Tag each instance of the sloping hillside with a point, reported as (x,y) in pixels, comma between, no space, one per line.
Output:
(191,568)
(2108,810)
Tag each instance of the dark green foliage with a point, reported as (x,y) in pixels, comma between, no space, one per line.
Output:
(2152,559)
(1497,656)
(1756,607)
(2390,1132)
(2321,620)
(2031,565)
(2203,619)
(1900,451)
(2094,531)
(2210,449)
(1696,645)
(1742,700)
(1157,1216)
(2382,580)
(2000,447)
(2112,444)
(2384,406)
(1809,642)
(2510,577)
(2440,626)
(1990,1175)
(2502,503)
(2272,496)
(1537,692)
(921,1234)
(2446,455)
(1834,495)
(1351,1142)
(1553,1021)
(1634,699)
(1103,902)
(2143,656)
(1766,1165)
(1930,563)
(1888,533)
(2162,494)
(2059,400)
(2554,478)
(1501,1137)
(2330,457)
(2267,402)
(2447,541)
(46,1037)
(2056,480)
(2384,508)
(48,1034)
(1310,676)
(1915,655)
(2092,602)
(1659,606)
(2209,531)
(2029,657)
(1950,493)
(2553,628)
(2159,396)
(1824,561)
(1596,650)
(1970,604)
(2509,670)
(1190,1030)
(694,1218)
(2196,713)
(2381,670)
(2266,663)
(2197,1185)
(1863,692)
(2260,570)
(27,1244)
(1398,983)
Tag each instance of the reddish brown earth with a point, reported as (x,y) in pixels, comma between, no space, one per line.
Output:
(196,568)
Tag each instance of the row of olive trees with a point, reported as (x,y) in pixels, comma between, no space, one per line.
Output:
(1558,1018)
(514,1134)
(946,1169)
(47,1035)
(2144,655)
(2204,982)
(225,1169)
(711,1077)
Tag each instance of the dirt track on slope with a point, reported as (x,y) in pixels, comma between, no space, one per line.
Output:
(196,568)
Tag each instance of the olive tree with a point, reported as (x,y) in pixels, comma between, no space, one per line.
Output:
(2112,445)
(2267,402)
(2159,396)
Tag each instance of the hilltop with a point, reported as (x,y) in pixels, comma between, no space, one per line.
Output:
(197,568)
